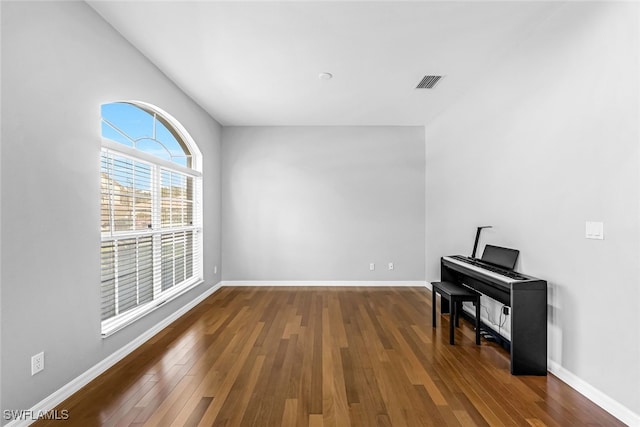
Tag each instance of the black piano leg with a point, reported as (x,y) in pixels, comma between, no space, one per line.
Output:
(477,304)
(433,308)
(453,313)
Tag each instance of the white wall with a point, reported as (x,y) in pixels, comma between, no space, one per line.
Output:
(321,203)
(0,227)
(60,62)
(545,143)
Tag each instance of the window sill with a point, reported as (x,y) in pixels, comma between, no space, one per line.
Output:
(111,326)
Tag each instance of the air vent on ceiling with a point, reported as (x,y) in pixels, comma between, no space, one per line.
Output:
(428,82)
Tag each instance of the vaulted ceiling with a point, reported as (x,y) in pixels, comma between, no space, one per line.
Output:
(258,63)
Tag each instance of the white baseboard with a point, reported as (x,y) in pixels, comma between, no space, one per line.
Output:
(346,283)
(76,384)
(610,405)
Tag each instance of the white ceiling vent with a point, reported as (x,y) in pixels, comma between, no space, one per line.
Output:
(428,82)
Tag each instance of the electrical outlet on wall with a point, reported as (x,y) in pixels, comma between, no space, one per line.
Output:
(372,266)
(390,266)
(37,363)
(594,230)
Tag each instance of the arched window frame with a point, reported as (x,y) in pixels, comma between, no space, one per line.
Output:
(162,238)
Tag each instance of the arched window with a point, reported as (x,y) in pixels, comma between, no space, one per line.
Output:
(151,190)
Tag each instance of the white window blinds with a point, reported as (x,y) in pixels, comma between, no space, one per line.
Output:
(151,234)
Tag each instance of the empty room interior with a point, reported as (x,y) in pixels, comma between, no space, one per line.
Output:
(318,213)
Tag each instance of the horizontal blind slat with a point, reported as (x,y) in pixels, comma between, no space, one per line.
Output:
(127,204)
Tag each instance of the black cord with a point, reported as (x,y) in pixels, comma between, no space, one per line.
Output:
(502,322)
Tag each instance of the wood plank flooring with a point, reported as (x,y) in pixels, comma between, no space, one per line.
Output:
(322,357)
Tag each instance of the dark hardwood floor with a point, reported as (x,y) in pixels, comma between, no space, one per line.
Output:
(319,357)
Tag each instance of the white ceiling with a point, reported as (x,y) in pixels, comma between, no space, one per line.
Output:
(257,63)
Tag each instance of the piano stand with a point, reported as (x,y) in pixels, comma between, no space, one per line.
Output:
(527,298)
(455,295)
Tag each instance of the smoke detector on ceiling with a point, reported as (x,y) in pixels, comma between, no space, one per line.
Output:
(429,82)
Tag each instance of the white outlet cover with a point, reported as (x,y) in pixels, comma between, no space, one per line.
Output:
(594,230)
(372,266)
(37,363)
